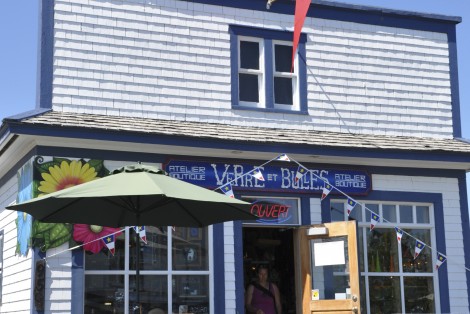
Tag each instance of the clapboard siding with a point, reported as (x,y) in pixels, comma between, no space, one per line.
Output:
(458,290)
(17,282)
(171,60)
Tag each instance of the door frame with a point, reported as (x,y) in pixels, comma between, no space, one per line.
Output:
(328,230)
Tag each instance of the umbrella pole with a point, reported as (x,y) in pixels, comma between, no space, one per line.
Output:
(137,270)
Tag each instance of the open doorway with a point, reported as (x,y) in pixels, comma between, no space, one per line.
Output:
(274,248)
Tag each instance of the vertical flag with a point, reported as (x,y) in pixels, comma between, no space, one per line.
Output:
(109,241)
(227,189)
(350,205)
(399,234)
(257,174)
(441,258)
(374,219)
(418,247)
(326,190)
(301,9)
(142,234)
(301,171)
(283,157)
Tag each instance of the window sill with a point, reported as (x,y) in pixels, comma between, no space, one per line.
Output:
(273,110)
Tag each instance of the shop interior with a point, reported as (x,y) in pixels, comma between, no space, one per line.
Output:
(274,248)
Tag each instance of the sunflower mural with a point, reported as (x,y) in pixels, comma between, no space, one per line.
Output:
(55,175)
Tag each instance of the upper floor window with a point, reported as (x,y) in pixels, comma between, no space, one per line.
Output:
(261,70)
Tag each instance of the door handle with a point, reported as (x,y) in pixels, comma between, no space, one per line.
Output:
(354,298)
(354,309)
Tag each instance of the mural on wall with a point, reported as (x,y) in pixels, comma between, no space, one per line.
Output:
(52,174)
(24,221)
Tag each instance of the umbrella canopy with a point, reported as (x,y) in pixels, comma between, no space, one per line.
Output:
(136,195)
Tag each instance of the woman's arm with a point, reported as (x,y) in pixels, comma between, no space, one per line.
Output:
(248,297)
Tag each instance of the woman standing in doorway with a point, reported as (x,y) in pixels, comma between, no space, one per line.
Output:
(262,296)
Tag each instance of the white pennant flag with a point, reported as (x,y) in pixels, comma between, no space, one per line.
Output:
(227,189)
(283,157)
(257,174)
(418,248)
(441,258)
(399,234)
(109,241)
(142,234)
(374,219)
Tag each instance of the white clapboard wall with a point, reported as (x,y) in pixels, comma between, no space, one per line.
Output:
(171,60)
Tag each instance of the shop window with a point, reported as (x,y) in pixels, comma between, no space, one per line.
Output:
(261,71)
(174,273)
(389,270)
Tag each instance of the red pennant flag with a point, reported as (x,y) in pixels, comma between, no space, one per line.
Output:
(301,8)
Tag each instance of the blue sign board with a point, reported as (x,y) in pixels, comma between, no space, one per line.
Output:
(279,177)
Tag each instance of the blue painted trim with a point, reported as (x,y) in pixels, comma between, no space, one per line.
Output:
(288,148)
(268,35)
(454,82)
(46,53)
(305,219)
(219,268)
(350,13)
(28,114)
(239,276)
(269,76)
(78,282)
(465,226)
(326,210)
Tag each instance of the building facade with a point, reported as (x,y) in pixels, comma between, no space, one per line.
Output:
(204,90)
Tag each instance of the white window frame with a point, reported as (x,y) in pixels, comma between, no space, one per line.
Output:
(364,227)
(169,272)
(261,73)
(294,76)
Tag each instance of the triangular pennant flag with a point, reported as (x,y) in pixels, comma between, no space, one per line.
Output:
(109,241)
(441,258)
(374,219)
(283,157)
(142,234)
(350,205)
(399,234)
(301,171)
(257,174)
(227,189)
(418,248)
(301,9)
(326,190)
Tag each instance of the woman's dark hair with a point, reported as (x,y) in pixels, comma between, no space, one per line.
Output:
(262,266)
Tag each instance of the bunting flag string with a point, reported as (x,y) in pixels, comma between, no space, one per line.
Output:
(227,189)
(142,233)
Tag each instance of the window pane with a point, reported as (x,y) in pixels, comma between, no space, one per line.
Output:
(423,263)
(389,213)
(382,250)
(406,213)
(190,294)
(422,214)
(104,294)
(249,55)
(105,260)
(190,249)
(283,58)
(356,213)
(419,295)
(248,84)
(283,90)
(153,293)
(372,207)
(153,255)
(337,211)
(385,295)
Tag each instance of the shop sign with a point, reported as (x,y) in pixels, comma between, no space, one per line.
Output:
(278,178)
(275,211)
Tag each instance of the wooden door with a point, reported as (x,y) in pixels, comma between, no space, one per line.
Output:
(329,268)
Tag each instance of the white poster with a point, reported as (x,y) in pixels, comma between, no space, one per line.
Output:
(329,253)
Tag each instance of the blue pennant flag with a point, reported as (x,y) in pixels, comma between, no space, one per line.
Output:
(327,188)
(142,233)
(350,205)
(418,247)
(283,157)
(109,241)
(257,174)
(399,234)
(374,219)
(301,171)
(441,258)
(227,189)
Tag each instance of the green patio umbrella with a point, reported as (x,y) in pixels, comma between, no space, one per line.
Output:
(136,195)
